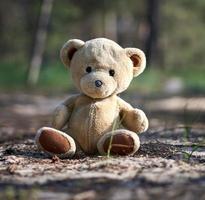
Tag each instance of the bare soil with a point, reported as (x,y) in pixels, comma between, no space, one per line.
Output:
(169,165)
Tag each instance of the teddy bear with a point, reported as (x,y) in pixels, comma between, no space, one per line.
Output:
(96,120)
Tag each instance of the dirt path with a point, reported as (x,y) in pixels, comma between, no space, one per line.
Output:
(169,165)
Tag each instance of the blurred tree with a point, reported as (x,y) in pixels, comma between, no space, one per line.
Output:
(39,45)
(178,32)
(151,43)
(182,34)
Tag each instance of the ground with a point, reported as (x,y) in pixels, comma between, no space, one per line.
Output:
(169,165)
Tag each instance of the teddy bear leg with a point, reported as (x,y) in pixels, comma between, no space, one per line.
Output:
(55,142)
(118,142)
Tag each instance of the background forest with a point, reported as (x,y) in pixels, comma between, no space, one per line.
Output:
(170,32)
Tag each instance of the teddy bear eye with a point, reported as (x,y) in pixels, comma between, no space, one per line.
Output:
(112,72)
(89,69)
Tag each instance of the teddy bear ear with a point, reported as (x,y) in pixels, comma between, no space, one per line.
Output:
(69,49)
(138,59)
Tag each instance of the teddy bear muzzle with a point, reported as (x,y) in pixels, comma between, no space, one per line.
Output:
(98,84)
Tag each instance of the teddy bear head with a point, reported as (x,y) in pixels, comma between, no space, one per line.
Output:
(100,67)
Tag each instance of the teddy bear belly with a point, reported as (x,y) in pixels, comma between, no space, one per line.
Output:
(90,123)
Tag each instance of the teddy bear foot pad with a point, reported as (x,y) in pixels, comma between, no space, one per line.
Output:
(119,142)
(55,142)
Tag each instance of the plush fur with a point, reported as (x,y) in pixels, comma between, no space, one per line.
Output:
(100,69)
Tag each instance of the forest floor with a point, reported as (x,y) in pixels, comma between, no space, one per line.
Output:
(169,165)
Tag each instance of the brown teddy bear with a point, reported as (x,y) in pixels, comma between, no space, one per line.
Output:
(100,69)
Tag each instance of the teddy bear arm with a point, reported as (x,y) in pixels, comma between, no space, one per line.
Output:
(132,118)
(63,112)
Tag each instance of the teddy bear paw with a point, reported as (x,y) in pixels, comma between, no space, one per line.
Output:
(141,119)
(55,142)
(119,142)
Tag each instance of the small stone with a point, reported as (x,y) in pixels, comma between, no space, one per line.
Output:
(55,159)
(12,168)
(87,195)
(13,159)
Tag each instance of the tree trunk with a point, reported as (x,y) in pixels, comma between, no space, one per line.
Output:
(151,44)
(39,46)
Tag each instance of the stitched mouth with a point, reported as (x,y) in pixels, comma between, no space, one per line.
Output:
(96,92)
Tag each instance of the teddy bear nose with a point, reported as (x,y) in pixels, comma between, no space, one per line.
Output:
(98,83)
